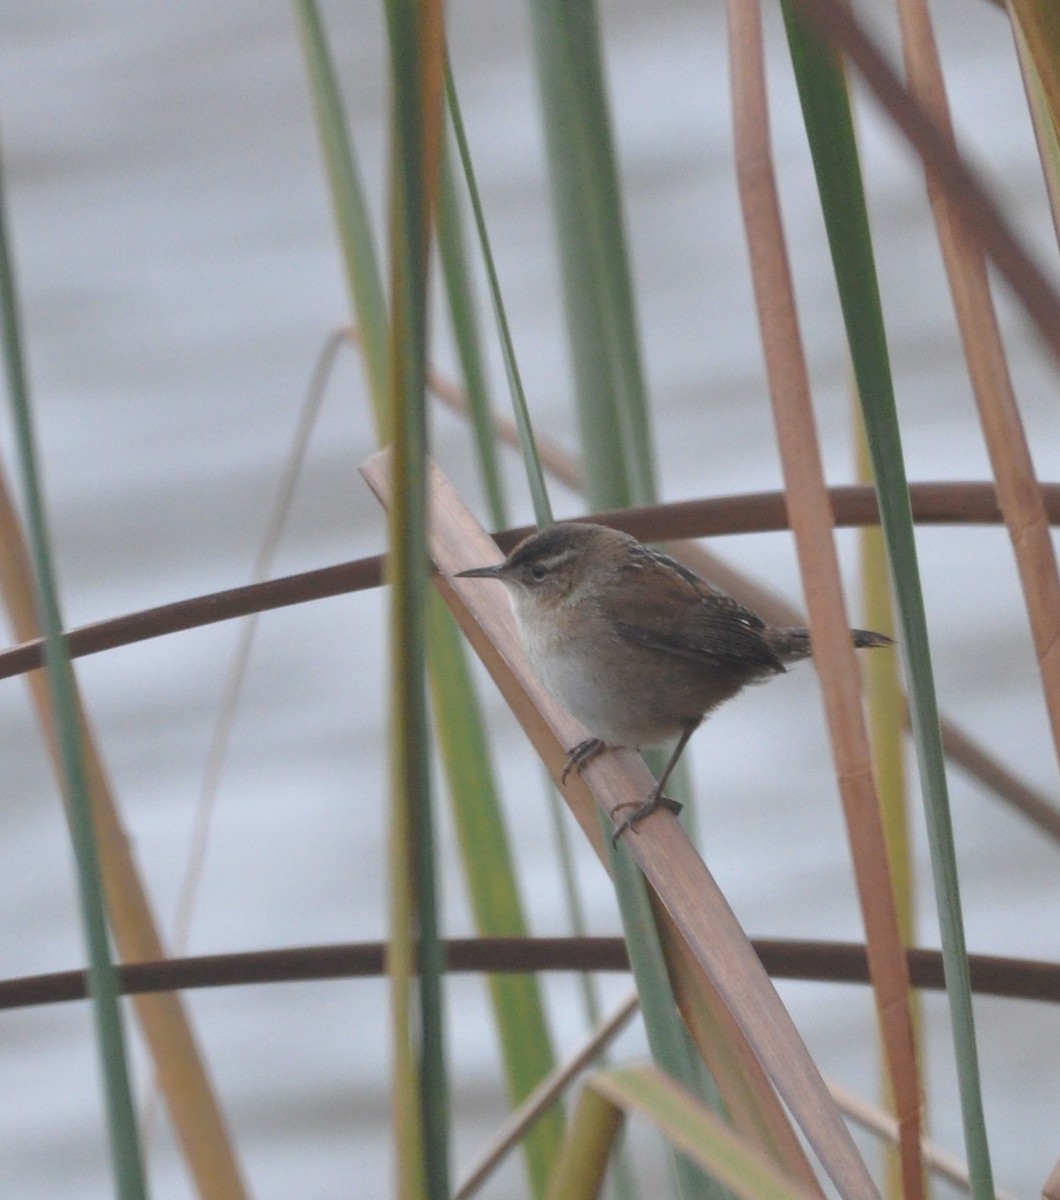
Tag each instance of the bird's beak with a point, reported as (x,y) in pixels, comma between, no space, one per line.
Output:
(494,572)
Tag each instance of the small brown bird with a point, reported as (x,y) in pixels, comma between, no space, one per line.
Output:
(633,644)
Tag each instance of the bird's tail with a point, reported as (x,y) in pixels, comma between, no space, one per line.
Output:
(866,639)
(793,644)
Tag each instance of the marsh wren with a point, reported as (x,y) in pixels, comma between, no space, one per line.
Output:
(637,647)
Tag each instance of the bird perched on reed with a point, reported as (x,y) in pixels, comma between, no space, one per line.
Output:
(637,647)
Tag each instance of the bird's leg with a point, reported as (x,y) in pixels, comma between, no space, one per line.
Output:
(655,799)
(582,755)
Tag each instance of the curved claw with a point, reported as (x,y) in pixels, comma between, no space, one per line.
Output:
(641,810)
(582,755)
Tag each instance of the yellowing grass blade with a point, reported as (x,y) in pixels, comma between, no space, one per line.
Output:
(691,1127)
(582,1163)
(182,1075)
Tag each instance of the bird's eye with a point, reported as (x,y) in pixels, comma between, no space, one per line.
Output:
(538,571)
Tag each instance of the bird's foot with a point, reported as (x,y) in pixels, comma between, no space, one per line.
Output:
(642,809)
(582,755)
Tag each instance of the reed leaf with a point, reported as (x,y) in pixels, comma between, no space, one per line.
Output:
(1039,27)
(839,25)
(611,401)
(518,1006)
(885,703)
(1018,490)
(1045,123)
(527,442)
(421,1117)
(526,1046)
(669,1045)
(462,308)
(582,1163)
(847,225)
(829,125)
(696,1131)
(102,976)
(352,222)
(812,525)
(178,1064)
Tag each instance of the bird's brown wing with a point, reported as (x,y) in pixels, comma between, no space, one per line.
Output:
(666,607)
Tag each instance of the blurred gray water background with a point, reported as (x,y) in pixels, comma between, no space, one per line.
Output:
(179,273)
